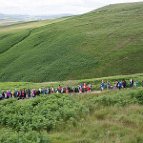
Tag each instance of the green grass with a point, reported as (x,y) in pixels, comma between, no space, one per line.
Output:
(72,83)
(104,42)
(107,117)
(28,25)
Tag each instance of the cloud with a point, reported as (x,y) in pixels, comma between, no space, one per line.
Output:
(48,7)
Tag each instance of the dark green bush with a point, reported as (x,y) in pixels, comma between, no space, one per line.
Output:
(45,112)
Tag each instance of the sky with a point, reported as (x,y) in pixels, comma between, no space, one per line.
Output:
(53,7)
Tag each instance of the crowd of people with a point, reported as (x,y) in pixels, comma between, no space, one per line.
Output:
(82,88)
(120,84)
(28,93)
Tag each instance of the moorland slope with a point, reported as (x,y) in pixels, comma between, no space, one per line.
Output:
(104,42)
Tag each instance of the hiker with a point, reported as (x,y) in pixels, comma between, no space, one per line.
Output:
(124,83)
(52,89)
(3,94)
(79,89)
(84,87)
(15,93)
(45,90)
(89,88)
(38,92)
(102,85)
(108,85)
(33,93)
(8,94)
(70,89)
(28,92)
(67,90)
(117,82)
(62,90)
(59,89)
(49,90)
(131,83)
(20,95)
(23,94)
(119,85)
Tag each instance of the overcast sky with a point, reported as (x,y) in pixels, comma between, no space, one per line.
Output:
(51,7)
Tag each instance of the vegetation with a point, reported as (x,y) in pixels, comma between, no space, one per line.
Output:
(104,42)
(107,117)
(95,82)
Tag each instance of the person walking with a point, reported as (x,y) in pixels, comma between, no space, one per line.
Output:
(102,85)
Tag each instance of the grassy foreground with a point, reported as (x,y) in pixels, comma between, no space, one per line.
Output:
(104,42)
(107,117)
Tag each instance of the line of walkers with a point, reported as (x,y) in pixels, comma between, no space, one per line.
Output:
(27,93)
(120,84)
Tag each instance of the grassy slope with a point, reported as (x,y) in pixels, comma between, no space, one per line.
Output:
(27,25)
(104,42)
(111,117)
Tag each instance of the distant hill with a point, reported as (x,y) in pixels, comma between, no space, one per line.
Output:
(17,17)
(104,42)
(6,19)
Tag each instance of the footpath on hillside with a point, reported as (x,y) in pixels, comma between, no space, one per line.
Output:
(80,89)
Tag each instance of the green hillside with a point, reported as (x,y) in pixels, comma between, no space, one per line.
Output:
(105,42)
